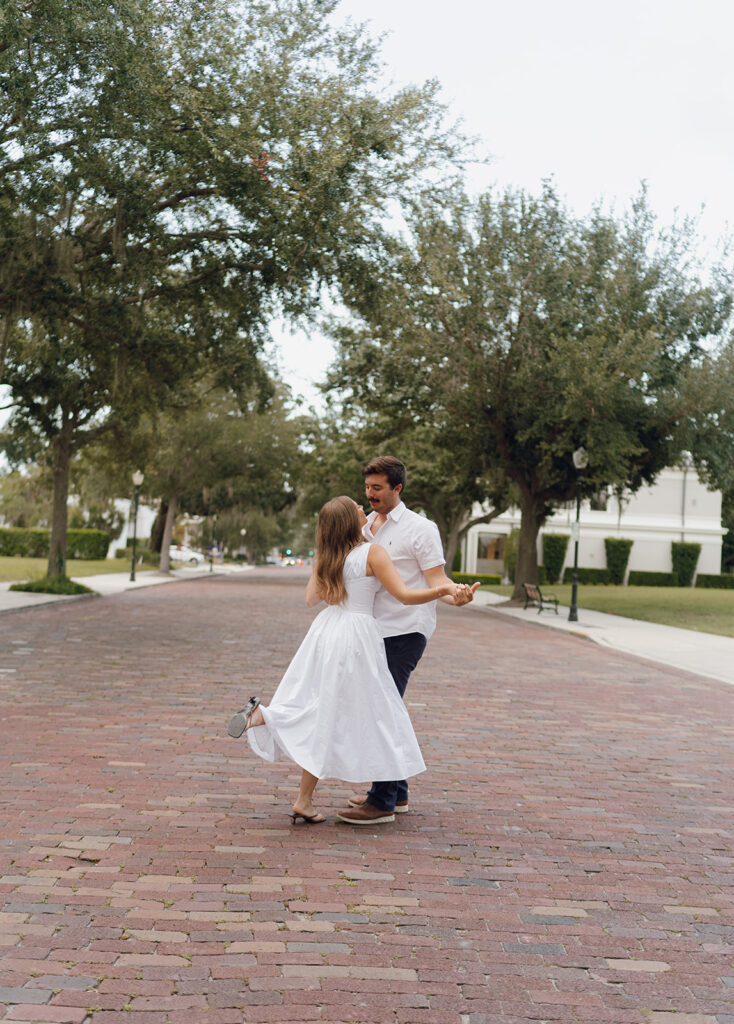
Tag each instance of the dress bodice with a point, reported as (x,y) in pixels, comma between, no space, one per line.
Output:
(361,588)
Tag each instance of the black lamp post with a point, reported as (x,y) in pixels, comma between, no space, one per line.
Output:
(580,461)
(137,481)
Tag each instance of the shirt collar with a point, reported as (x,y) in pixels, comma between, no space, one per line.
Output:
(394,513)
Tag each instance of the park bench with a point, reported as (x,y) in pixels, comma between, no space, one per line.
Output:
(534,596)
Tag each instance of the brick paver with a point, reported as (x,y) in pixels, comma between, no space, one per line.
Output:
(567,857)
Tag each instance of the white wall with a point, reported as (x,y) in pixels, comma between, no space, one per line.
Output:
(676,507)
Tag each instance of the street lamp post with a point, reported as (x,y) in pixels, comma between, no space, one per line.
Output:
(137,481)
(580,461)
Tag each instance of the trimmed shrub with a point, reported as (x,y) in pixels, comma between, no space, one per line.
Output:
(618,555)
(685,559)
(91,544)
(16,540)
(554,553)
(587,575)
(652,579)
(712,581)
(53,585)
(142,553)
(478,577)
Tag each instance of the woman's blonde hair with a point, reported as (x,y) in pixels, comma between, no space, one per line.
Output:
(337,533)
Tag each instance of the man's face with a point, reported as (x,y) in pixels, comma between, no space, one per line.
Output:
(382,497)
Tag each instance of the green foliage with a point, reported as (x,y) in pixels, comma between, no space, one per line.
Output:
(88,544)
(511,545)
(685,559)
(536,332)
(26,542)
(637,578)
(554,553)
(142,554)
(91,544)
(618,555)
(711,581)
(588,575)
(486,578)
(53,585)
(171,177)
(26,497)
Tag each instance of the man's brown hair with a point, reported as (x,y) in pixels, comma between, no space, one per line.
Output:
(389,466)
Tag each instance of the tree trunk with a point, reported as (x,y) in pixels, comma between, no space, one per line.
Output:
(155,541)
(452,545)
(61,448)
(165,562)
(526,571)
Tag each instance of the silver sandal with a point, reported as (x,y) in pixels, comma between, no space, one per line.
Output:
(239,722)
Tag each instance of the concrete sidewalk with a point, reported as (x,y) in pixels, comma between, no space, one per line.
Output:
(105,584)
(706,654)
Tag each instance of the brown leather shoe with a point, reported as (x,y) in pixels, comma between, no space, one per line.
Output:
(401,807)
(365,815)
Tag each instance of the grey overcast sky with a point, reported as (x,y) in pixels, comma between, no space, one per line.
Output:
(599,95)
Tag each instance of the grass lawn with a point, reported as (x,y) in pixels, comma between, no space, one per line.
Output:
(15,568)
(708,611)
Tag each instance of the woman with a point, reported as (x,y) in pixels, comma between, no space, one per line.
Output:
(336,712)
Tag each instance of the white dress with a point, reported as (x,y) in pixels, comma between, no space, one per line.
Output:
(337,712)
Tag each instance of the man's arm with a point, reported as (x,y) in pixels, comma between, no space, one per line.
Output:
(464,593)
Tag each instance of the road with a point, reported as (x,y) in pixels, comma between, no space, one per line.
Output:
(567,857)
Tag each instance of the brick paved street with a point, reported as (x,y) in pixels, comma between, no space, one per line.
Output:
(568,856)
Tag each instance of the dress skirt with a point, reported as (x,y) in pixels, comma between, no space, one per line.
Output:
(336,711)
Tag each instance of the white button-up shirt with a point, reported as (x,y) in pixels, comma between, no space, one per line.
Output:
(414,545)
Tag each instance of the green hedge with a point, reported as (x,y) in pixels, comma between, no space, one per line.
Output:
(478,577)
(618,555)
(92,544)
(586,575)
(554,554)
(685,559)
(142,553)
(27,543)
(711,581)
(652,579)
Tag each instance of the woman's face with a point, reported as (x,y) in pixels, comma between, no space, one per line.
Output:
(360,513)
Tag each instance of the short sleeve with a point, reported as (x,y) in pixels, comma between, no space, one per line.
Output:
(427,546)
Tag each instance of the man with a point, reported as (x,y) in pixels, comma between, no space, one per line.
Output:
(414,544)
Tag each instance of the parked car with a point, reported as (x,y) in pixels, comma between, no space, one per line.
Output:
(180,553)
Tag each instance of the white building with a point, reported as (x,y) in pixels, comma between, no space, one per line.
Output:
(146,518)
(678,506)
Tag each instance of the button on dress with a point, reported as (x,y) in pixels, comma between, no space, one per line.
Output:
(336,711)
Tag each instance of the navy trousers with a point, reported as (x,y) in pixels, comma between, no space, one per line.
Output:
(403,654)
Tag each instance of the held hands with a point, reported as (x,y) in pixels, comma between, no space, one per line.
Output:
(464,593)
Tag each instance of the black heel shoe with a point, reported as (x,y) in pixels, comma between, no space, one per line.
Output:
(313,819)
(239,722)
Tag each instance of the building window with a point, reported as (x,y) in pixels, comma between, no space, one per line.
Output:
(598,500)
(491,552)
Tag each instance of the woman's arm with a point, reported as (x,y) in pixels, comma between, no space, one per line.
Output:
(312,592)
(381,565)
